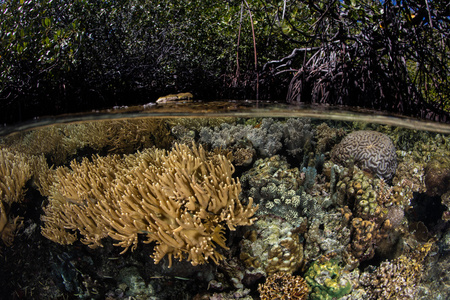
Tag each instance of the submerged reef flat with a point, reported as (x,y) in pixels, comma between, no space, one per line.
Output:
(224,208)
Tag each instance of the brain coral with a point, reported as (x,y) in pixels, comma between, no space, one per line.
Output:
(371,150)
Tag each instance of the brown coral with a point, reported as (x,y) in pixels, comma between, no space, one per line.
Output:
(283,286)
(61,142)
(326,137)
(371,150)
(181,199)
(437,176)
(14,173)
(363,240)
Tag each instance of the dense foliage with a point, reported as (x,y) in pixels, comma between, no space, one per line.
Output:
(58,56)
(385,55)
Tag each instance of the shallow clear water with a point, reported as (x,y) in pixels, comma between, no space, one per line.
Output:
(255,199)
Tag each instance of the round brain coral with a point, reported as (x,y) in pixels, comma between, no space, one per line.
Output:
(372,151)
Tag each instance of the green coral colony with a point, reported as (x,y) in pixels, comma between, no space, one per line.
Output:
(287,208)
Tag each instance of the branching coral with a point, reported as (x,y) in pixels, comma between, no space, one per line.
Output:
(283,286)
(181,199)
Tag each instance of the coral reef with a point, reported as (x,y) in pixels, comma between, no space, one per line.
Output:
(281,190)
(327,280)
(14,173)
(272,245)
(398,278)
(283,286)
(267,138)
(181,199)
(275,186)
(349,227)
(128,136)
(371,150)
(437,175)
(328,233)
(376,207)
(60,143)
(297,137)
(327,137)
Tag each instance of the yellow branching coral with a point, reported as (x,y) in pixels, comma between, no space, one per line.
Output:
(14,173)
(181,199)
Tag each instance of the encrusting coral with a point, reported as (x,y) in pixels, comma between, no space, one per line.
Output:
(181,199)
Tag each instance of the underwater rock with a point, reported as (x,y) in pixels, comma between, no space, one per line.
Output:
(410,170)
(437,176)
(371,150)
(242,156)
(134,283)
